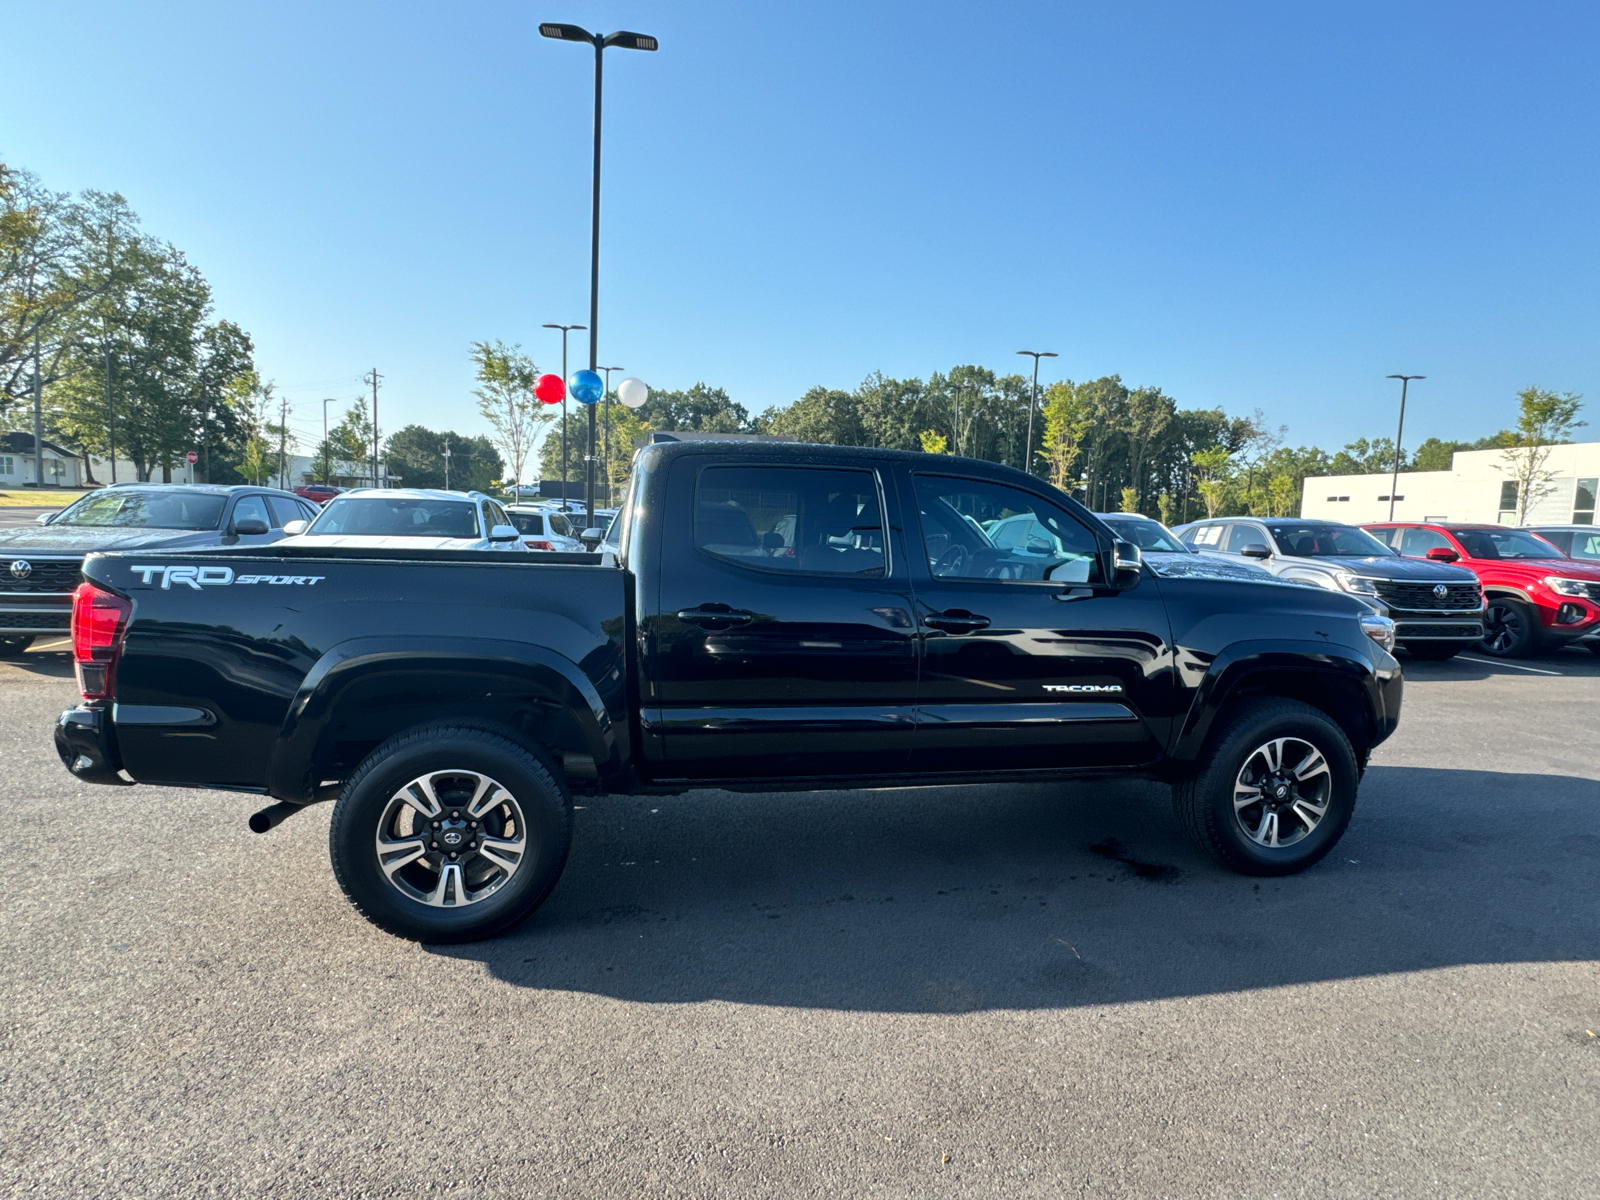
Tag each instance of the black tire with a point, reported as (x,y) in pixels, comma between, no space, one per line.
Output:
(1434,651)
(536,792)
(1204,801)
(1511,629)
(12,645)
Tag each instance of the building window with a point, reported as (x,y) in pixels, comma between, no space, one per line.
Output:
(8,465)
(1338,499)
(1508,496)
(1583,502)
(1397,498)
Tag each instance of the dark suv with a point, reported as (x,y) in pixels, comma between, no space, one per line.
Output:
(1437,609)
(39,568)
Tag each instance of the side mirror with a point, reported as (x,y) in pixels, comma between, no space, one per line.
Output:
(1127,564)
(249,525)
(45,518)
(295,527)
(1441,554)
(591,537)
(1256,550)
(504,533)
(772,540)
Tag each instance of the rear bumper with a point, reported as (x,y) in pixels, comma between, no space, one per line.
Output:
(87,745)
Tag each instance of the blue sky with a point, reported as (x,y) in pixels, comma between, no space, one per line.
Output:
(1258,206)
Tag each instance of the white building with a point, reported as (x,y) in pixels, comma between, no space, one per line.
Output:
(1479,486)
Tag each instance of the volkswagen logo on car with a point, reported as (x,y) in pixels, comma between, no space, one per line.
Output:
(21,569)
(1440,591)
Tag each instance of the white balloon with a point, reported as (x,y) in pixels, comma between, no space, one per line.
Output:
(632,393)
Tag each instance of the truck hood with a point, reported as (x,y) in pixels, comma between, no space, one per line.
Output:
(83,539)
(1537,568)
(1377,566)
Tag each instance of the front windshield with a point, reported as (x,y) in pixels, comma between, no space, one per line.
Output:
(178,508)
(1328,541)
(1147,535)
(1505,543)
(396,516)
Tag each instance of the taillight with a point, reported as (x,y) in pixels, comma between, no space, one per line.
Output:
(536,544)
(99,619)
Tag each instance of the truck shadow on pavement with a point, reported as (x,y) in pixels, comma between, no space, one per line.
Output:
(1030,896)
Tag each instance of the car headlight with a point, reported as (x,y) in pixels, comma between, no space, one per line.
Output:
(1356,584)
(1567,587)
(1380,630)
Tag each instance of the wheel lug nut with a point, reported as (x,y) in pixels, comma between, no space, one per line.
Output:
(435,845)
(436,824)
(452,856)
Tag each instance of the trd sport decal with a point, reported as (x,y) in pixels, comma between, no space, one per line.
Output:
(199,577)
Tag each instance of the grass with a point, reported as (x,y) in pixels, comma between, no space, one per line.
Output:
(37,498)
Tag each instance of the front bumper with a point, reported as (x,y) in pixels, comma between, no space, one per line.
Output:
(87,745)
(1429,628)
(35,615)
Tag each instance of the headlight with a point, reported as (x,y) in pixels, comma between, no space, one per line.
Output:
(1380,630)
(1356,584)
(1567,587)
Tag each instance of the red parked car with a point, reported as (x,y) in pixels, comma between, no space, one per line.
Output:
(1538,598)
(318,493)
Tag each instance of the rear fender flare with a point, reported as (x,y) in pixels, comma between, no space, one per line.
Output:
(1231,671)
(304,739)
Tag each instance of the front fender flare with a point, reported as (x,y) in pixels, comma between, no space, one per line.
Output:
(304,739)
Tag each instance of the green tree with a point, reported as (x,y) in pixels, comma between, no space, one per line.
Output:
(506,401)
(416,455)
(1544,419)
(1065,423)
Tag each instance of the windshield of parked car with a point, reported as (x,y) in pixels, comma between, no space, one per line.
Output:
(179,508)
(1147,534)
(395,516)
(1328,541)
(1505,543)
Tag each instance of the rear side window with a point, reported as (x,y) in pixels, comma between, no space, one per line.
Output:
(284,510)
(560,525)
(791,519)
(1207,536)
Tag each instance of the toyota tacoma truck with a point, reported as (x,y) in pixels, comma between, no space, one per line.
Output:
(779,617)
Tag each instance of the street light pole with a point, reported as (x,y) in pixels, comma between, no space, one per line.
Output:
(1394,479)
(605,453)
(565,329)
(1033,403)
(624,40)
(326,476)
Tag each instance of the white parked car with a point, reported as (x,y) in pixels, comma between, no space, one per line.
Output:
(411,518)
(545,529)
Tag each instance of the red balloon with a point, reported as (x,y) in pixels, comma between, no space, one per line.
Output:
(550,389)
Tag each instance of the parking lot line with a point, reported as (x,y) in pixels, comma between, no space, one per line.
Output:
(1489,662)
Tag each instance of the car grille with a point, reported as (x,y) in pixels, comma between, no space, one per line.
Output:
(48,575)
(1439,629)
(39,620)
(1594,591)
(1419,597)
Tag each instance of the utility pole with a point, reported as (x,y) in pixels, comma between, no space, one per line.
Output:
(326,478)
(373,379)
(1394,479)
(283,444)
(1027,454)
(445,446)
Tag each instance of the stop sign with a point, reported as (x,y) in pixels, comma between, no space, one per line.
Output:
(192,457)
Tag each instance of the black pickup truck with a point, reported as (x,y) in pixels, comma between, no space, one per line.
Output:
(780,616)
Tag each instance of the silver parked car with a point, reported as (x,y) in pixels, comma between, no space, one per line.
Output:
(544,529)
(411,518)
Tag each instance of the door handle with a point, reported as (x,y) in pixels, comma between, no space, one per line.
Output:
(715,616)
(956,620)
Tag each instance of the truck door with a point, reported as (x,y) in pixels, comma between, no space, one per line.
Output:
(1029,659)
(784,643)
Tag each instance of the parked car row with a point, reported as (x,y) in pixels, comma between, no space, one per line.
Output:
(1447,586)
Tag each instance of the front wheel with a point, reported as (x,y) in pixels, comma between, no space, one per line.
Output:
(1275,792)
(449,834)
(1509,626)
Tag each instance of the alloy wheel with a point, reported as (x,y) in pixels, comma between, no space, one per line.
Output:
(452,838)
(1282,792)
(1504,625)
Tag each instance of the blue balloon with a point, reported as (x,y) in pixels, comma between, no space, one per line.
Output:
(585,387)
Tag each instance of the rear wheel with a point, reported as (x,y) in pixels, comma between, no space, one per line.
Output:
(1510,627)
(1275,792)
(447,834)
(1434,651)
(14,644)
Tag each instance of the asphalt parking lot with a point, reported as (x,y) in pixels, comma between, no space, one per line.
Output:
(1012,991)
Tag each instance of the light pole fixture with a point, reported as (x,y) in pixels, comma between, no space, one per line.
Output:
(1394,480)
(622,40)
(1033,403)
(605,453)
(565,329)
(325,475)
